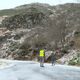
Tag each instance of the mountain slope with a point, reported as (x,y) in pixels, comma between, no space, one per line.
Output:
(38,26)
(23,9)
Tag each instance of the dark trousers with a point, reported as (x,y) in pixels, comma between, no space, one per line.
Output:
(41,61)
(53,62)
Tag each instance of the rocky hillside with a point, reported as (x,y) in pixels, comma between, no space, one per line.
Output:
(36,26)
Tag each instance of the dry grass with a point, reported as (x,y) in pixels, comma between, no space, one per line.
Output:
(77,42)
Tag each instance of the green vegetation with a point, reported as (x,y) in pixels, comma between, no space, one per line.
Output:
(26,20)
(24,9)
(14,46)
(75,60)
(8,12)
(42,26)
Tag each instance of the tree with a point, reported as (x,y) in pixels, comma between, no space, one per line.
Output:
(57,29)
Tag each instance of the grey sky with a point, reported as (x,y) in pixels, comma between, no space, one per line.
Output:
(6,4)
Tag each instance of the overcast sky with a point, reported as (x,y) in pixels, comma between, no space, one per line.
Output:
(6,4)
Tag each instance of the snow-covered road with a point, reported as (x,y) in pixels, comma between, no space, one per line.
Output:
(27,70)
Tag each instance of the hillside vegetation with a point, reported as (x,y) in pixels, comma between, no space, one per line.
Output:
(31,27)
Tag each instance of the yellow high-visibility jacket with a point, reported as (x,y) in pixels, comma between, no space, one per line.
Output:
(42,53)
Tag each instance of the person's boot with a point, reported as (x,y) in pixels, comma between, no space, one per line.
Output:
(41,65)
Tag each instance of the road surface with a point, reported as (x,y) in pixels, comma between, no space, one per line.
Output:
(29,70)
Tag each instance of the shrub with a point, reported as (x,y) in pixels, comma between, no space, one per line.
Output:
(76,60)
(73,62)
(13,46)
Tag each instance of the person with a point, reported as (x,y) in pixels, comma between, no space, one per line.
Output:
(42,55)
(53,58)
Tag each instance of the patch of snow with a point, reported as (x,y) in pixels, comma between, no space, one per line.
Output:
(4,64)
(29,70)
